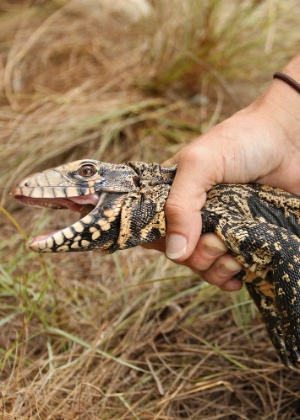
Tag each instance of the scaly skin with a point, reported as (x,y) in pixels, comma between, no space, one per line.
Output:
(123,206)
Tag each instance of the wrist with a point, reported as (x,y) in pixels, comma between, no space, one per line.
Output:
(292,69)
(281,103)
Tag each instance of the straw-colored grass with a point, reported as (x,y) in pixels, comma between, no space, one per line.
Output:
(128,336)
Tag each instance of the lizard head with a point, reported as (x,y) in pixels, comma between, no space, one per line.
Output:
(120,205)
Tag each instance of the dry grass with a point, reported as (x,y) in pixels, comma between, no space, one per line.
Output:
(128,336)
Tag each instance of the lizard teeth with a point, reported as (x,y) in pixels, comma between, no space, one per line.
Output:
(76,204)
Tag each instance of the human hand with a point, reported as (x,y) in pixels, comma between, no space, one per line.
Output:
(260,143)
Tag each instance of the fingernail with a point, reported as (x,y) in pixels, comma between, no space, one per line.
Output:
(215,251)
(175,246)
(230,267)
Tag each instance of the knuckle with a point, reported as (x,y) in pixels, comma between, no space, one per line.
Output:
(199,264)
(211,277)
(211,246)
(174,206)
(189,156)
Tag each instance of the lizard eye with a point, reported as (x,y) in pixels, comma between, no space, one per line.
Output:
(87,170)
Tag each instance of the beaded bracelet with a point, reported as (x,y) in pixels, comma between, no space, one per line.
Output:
(288,80)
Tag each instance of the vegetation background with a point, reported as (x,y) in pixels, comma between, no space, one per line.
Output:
(132,335)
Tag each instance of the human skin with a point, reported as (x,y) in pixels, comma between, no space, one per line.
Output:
(260,143)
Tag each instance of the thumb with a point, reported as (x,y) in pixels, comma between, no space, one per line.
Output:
(183,215)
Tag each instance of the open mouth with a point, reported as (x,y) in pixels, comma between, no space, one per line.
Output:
(82,204)
(85,205)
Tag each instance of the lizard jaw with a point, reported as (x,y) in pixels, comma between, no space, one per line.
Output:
(84,205)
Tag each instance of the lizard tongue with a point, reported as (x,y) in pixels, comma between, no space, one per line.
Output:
(86,199)
(83,204)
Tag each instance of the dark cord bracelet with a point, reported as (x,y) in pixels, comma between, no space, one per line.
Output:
(288,80)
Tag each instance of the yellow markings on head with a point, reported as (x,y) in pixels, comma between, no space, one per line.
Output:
(91,183)
(104,225)
(49,242)
(96,235)
(63,248)
(68,233)
(88,219)
(59,238)
(72,192)
(42,245)
(48,193)
(78,226)
(59,192)
(108,212)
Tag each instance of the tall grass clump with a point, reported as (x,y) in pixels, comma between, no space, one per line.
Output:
(128,336)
